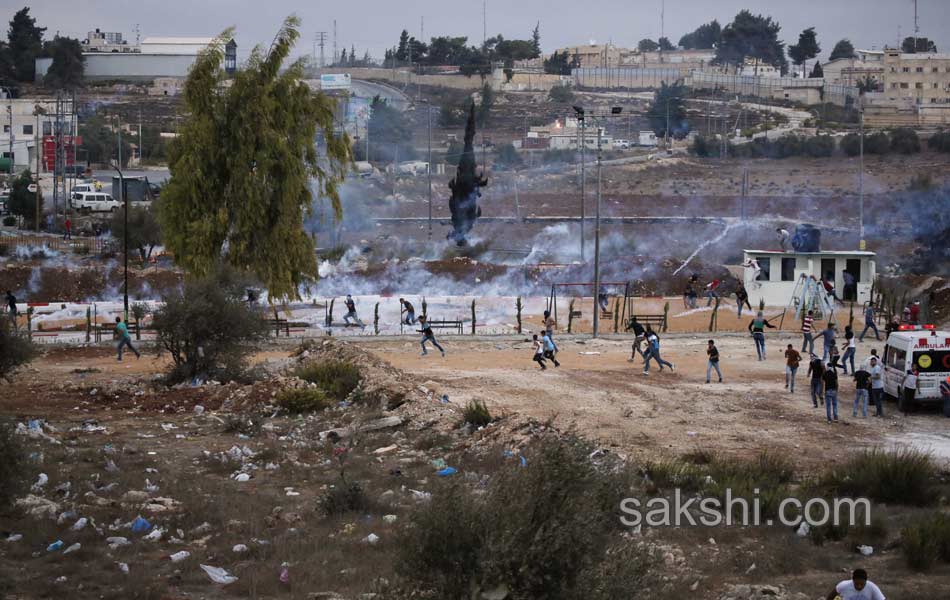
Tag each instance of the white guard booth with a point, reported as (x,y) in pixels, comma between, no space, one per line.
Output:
(779,272)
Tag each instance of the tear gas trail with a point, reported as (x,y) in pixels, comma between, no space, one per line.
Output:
(719,237)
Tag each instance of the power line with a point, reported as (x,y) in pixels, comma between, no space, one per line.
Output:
(320,39)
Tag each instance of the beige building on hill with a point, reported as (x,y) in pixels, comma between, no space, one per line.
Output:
(916,79)
(849,71)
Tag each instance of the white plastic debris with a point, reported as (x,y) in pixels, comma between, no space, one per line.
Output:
(199,410)
(179,556)
(239,548)
(371,539)
(242,477)
(219,575)
(80,524)
(14,537)
(390,519)
(40,482)
(866,550)
(72,548)
(115,542)
(155,535)
(803,529)
(124,568)
(149,487)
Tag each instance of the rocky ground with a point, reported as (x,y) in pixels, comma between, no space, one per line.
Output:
(227,480)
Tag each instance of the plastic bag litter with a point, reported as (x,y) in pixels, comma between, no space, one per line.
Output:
(242,477)
(446,471)
(40,482)
(140,525)
(80,524)
(14,537)
(866,550)
(55,546)
(116,541)
(803,530)
(284,573)
(371,539)
(72,548)
(179,556)
(124,568)
(155,535)
(239,548)
(218,575)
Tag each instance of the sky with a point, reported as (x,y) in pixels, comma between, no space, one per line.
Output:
(375,25)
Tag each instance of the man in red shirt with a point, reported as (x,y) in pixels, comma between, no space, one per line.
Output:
(711,292)
(67,229)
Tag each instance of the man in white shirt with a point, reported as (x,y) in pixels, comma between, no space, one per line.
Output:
(857,588)
(877,386)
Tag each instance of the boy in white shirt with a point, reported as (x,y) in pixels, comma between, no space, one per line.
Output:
(857,588)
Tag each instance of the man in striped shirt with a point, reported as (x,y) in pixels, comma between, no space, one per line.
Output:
(807,340)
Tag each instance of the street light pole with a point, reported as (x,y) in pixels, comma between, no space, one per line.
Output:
(861,245)
(124,199)
(429,163)
(597,241)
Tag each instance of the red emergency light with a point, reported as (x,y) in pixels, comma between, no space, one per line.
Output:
(915,327)
(929,327)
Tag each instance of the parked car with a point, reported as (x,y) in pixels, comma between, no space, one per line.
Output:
(94,202)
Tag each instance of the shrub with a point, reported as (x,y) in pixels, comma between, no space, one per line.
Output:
(208,328)
(476,414)
(303,400)
(851,144)
(926,540)
(703,147)
(877,143)
(15,349)
(343,498)
(9,221)
(508,157)
(335,377)
(12,465)
(905,141)
(940,141)
(550,157)
(562,94)
(4,250)
(902,476)
(546,531)
(819,146)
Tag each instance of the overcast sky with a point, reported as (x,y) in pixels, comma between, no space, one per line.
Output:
(375,24)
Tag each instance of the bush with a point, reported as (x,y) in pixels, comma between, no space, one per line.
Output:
(343,498)
(303,400)
(926,540)
(476,414)
(9,221)
(15,349)
(508,158)
(703,147)
(551,157)
(940,141)
(12,465)
(562,94)
(546,531)
(208,328)
(905,141)
(851,144)
(820,146)
(336,378)
(902,476)
(877,143)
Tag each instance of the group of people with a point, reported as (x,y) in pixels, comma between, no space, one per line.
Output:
(711,292)
(646,344)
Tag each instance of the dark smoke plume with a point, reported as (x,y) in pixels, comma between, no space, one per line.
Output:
(466,188)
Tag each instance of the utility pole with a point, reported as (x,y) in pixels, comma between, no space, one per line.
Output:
(597,241)
(321,40)
(861,244)
(336,57)
(10,118)
(484,22)
(429,164)
(583,180)
(36,132)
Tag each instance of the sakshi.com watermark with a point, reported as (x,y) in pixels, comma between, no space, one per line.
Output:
(740,511)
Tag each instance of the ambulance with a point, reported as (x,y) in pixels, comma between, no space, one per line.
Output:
(923,346)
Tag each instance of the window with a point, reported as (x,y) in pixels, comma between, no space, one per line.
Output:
(936,86)
(6,129)
(898,358)
(47,128)
(788,269)
(919,85)
(894,86)
(765,264)
(935,70)
(920,69)
(906,69)
(27,130)
(904,86)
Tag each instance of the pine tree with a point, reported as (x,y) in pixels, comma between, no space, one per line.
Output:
(243,163)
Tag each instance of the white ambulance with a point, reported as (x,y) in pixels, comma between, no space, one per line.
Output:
(923,346)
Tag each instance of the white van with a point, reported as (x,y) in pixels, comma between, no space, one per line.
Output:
(94,202)
(923,346)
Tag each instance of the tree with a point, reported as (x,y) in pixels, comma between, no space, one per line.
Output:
(66,70)
(806,49)
(449,51)
(100,143)
(905,141)
(669,101)
(817,72)
(508,158)
(867,84)
(7,75)
(144,230)
(402,50)
(15,350)
(560,63)
(647,45)
(536,40)
(705,37)
(22,200)
(665,45)
(25,43)
(485,106)
(912,45)
(243,165)
(389,134)
(562,94)
(342,57)
(843,49)
(751,36)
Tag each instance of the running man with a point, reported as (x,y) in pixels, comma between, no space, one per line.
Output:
(549,326)
(550,350)
(351,312)
(757,329)
(538,352)
(602,299)
(711,292)
(816,370)
(856,588)
(11,304)
(831,392)
(654,342)
(713,353)
(849,347)
(428,336)
(124,339)
(742,298)
(639,335)
(792,360)
(406,308)
(808,340)
(869,323)
(756,270)
(68,229)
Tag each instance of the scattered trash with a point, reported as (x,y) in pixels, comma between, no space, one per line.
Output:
(55,546)
(390,519)
(371,539)
(80,524)
(866,550)
(219,575)
(14,537)
(111,467)
(803,530)
(151,470)
(589,353)
(290,492)
(149,487)
(115,542)
(239,548)
(38,507)
(155,535)
(597,453)
(72,548)
(179,556)
(284,573)
(445,398)
(421,495)
(124,568)
(242,477)
(386,449)
(40,482)
(439,463)
(140,525)
(271,466)
(691,433)
(446,471)
(199,410)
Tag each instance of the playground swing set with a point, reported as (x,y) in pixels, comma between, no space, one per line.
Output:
(603,300)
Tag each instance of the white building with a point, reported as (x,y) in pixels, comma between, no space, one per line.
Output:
(22,125)
(780,273)
(106,41)
(752,68)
